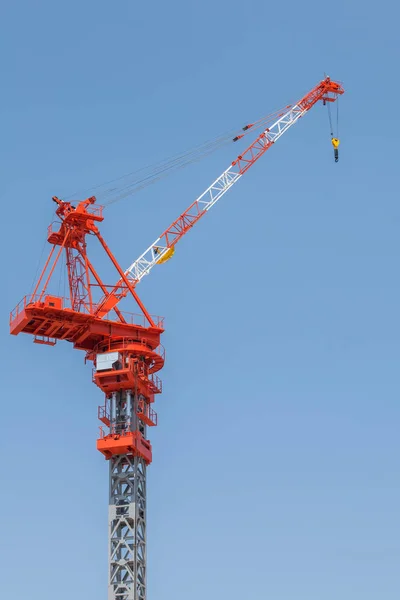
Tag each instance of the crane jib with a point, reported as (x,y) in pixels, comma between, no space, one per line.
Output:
(325,90)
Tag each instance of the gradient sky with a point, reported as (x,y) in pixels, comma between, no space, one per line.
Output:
(276,460)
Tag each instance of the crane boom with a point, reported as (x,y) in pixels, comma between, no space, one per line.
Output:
(163,247)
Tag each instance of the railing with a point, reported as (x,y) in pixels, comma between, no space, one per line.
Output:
(130,318)
(123,343)
(54,227)
(103,413)
(145,410)
(120,428)
(82,208)
(135,319)
(22,305)
(156,381)
(160,350)
(143,371)
(94,209)
(153,416)
(45,340)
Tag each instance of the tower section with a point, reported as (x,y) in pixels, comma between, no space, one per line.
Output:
(125,370)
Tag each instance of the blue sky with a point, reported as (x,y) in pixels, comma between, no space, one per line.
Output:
(276,462)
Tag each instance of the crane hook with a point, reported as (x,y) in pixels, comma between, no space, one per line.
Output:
(335,144)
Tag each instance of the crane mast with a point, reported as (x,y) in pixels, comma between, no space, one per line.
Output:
(125,349)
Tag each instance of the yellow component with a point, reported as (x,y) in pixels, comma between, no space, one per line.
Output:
(335,143)
(166,256)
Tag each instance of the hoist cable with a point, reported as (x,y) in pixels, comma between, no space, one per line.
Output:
(330,118)
(223,138)
(145,182)
(136,180)
(183,160)
(132,187)
(337,117)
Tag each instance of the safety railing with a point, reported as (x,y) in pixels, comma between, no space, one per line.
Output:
(135,319)
(26,300)
(156,381)
(149,414)
(94,209)
(119,428)
(130,318)
(103,414)
(102,433)
(54,227)
(124,343)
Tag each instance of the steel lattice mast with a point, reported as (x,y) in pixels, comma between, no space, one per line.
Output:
(125,349)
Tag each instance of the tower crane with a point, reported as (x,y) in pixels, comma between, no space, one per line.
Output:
(125,349)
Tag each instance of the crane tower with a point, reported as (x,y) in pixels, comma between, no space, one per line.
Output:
(124,348)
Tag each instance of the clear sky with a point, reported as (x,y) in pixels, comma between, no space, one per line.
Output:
(276,460)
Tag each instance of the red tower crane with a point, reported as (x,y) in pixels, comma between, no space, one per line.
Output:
(125,349)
